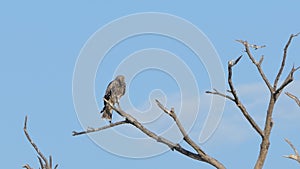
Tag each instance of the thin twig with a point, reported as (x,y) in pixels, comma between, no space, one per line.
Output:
(292,156)
(216,92)
(171,113)
(254,46)
(41,162)
(90,130)
(33,144)
(44,164)
(27,166)
(284,59)
(288,80)
(234,62)
(293,97)
(261,60)
(50,161)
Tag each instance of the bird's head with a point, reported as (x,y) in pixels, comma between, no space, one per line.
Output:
(120,78)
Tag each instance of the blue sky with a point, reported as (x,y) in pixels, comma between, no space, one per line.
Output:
(41,41)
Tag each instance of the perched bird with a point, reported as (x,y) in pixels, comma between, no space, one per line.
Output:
(114,91)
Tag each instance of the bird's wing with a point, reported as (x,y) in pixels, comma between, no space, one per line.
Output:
(123,86)
(109,91)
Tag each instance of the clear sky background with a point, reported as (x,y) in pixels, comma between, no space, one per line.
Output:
(40,42)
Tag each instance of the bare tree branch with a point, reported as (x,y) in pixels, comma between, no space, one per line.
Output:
(41,162)
(236,99)
(288,80)
(275,93)
(27,166)
(261,60)
(284,59)
(42,159)
(33,144)
(50,161)
(200,155)
(234,62)
(264,146)
(293,97)
(239,103)
(90,130)
(216,92)
(257,64)
(295,156)
(182,130)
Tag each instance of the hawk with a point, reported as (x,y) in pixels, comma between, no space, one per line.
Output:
(114,91)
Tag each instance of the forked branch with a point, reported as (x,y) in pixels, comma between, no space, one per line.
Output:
(284,59)
(257,64)
(199,155)
(295,156)
(239,103)
(288,80)
(236,99)
(44,163)
(182,130)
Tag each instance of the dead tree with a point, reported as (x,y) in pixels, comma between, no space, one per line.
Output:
(275,90)
(198,153)
(44,163)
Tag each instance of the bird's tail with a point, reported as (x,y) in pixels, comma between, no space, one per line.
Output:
(107,112)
